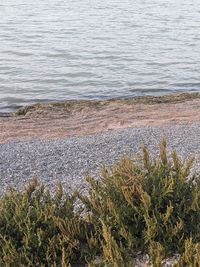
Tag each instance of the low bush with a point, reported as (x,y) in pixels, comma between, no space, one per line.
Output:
(38,229)
(147,206)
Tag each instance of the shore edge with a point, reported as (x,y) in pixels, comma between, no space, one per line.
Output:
(72,104)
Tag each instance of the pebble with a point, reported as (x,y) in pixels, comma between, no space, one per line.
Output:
(69,160)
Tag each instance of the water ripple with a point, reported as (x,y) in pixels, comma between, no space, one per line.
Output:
(55,49)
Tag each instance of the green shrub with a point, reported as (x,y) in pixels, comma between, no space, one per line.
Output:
(38,229)
(151,206)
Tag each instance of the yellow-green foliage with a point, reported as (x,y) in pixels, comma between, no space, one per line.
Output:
(190,256)
(37,229)
(148,206)
(151,206)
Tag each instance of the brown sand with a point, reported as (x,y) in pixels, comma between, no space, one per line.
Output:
(58,120)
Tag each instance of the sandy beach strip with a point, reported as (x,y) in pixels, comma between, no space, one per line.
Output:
(80,118)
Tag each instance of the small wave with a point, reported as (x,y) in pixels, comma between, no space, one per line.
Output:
(184,86)
(153,91)
(18,53)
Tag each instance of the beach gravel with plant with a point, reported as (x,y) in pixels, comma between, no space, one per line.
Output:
(69,160)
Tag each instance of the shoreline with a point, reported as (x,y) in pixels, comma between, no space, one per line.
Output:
(88,117)
(167,98)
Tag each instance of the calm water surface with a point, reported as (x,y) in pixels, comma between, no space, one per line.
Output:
(75,49)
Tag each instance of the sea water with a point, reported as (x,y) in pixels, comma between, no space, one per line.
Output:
(95,49)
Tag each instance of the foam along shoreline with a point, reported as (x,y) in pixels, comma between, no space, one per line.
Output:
(78,118)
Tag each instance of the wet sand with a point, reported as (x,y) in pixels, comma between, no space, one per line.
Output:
(79,118)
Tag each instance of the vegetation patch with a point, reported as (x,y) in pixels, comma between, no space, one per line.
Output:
(147,206)
(78,105)
(65,106)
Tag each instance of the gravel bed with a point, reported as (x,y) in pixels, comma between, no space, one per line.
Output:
(69,160)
